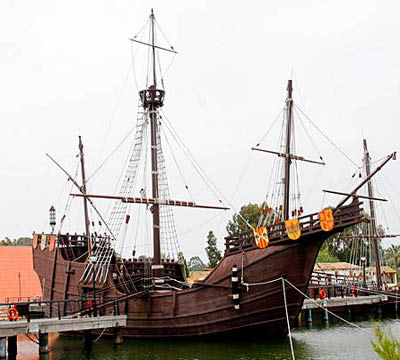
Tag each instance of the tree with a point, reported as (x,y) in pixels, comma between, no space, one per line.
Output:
(7,242)
(182,260)
(213,254)
(325,257)
(196,264)
(393,253)
(251,212)
(24,241)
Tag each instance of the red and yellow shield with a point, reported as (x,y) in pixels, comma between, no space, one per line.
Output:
(326,220)
(293,228)
(261,237)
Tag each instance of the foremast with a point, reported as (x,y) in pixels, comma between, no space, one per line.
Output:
(83,190)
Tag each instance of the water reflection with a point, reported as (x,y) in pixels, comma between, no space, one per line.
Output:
(321,342)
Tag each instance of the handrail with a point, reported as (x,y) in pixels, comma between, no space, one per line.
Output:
(345,216)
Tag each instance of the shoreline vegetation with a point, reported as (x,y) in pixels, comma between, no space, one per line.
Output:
(386,345)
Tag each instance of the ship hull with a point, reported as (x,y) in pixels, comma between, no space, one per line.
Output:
(207,309)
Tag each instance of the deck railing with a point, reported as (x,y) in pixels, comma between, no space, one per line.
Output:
(345,216)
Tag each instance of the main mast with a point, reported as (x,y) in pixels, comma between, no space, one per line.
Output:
(288,160)
(372,215)
(152,99)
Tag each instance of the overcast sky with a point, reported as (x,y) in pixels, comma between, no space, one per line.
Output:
(64,65)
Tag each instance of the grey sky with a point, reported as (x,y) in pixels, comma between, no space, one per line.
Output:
(63,64)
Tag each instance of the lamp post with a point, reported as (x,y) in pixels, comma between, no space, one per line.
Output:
(93,260)
(363,260)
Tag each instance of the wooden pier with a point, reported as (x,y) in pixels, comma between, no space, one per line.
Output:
(344,301)
(36,326)
(41,318)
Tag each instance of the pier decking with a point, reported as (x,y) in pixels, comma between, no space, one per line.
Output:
(35,326)
(344,301)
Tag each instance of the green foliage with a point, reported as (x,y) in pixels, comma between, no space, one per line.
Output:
(196,264)
(251,212)
(325,257)
(386,346)
(182,260)
(213,254)
(393,253)
(341,248)
(7,242)
(22,241)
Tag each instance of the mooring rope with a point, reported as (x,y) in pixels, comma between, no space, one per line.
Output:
(101,334)
(287,319)
(325,309)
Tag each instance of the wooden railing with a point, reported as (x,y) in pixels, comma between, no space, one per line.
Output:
(309,224)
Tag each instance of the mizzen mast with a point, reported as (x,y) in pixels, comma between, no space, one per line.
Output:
(288,160)
(367,165)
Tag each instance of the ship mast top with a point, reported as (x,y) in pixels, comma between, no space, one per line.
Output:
(288,160)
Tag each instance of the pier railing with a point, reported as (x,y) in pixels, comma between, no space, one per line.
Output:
(60,309)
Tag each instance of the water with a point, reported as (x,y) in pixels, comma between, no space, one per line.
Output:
(334,342)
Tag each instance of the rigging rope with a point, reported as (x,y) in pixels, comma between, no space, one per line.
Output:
(209,183)
(111,154)
(325,136)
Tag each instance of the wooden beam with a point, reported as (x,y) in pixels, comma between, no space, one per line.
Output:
(291,156)
(156,46)
(152,201)
(355,195)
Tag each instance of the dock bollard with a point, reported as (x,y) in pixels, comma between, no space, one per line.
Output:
(235,287)
(43,343)
(3,352)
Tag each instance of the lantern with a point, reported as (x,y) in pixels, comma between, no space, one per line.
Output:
(52,213)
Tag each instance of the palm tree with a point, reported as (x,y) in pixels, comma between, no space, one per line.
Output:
(394,253)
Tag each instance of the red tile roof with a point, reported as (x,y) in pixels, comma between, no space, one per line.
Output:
(16,263)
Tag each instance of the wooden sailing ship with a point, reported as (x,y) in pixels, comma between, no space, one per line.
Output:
(154,292)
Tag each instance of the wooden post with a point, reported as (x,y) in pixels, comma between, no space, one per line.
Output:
(87,339)
(118,340)
(325,313)
(309,318)
(43,343)
(12,347)
(3,347)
